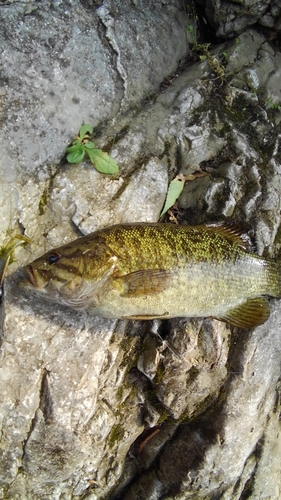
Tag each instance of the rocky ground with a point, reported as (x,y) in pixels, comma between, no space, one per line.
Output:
(104,409)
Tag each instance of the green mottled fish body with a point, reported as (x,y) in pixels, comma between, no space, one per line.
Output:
(145,271)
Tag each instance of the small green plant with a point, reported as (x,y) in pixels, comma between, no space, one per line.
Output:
(197,47)
(191,29)
(273,105)
(7,253)
(202,51)
(82,146)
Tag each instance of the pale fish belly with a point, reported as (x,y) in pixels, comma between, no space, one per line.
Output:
(198,290)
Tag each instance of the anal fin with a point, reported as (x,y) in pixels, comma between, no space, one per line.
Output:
(252,312)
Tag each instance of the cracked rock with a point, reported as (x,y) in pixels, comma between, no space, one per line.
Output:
(95,408)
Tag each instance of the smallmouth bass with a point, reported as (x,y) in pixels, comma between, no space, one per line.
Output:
(154,270)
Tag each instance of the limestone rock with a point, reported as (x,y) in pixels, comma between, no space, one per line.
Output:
(231,18)
(94,408)
(64,64)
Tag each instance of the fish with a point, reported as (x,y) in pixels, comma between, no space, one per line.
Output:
(157,270)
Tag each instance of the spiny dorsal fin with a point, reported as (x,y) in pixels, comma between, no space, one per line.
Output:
(234,232)
(252,312)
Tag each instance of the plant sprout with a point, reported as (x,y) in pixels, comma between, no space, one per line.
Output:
(82,146)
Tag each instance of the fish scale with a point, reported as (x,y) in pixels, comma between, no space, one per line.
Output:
(145,271)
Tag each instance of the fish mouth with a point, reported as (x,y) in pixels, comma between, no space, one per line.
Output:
(32,279)
(30,275)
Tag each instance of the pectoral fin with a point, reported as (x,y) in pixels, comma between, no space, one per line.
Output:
(251,313)
(145,282)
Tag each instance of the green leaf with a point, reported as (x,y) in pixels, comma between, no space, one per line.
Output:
(202,58)
(174,190)
(89,145)
(76,153)
(85,129)
(102,161)
(191,29)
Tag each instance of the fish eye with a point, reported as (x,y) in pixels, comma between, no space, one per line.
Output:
(53,257)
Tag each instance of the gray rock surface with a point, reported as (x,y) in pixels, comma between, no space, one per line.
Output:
(93,408)
(64,63)
(234,436)
(231,18)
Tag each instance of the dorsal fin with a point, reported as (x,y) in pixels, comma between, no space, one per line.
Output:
(234,232)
